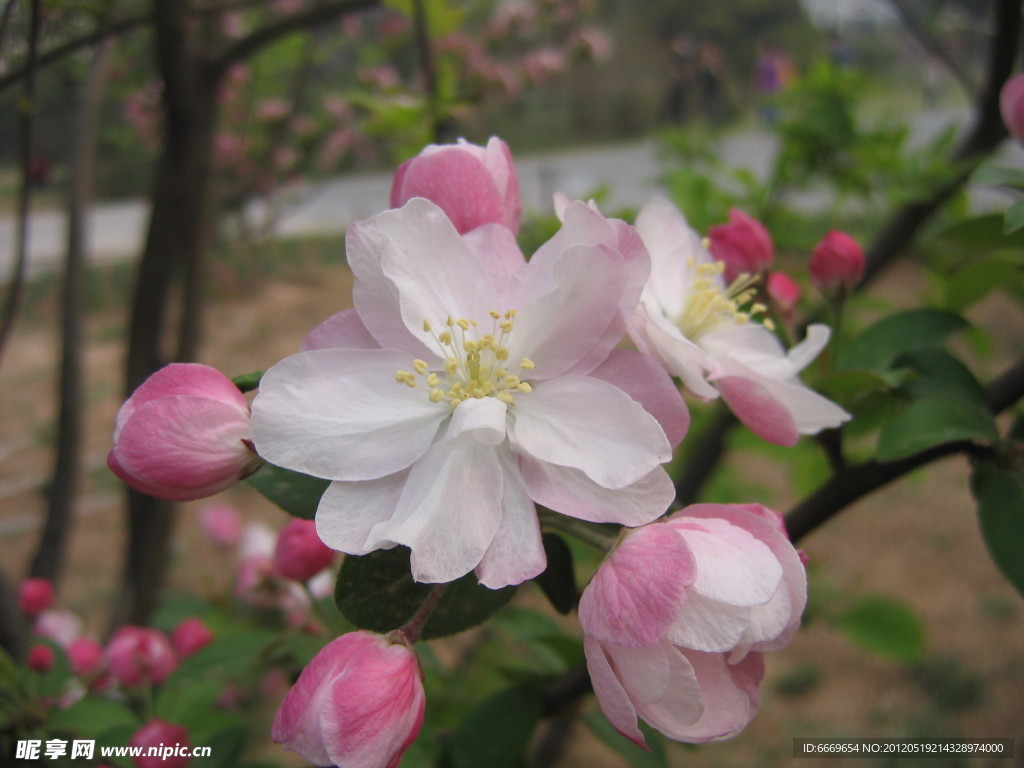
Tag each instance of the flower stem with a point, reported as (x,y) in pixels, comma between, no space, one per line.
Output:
(595,534)
(411,631)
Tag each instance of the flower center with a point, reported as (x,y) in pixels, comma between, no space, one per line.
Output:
(710,305)
(475,364)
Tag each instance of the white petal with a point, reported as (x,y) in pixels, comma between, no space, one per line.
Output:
(656,336)
(733,566)
(643,671)
(581,422)
(340,414)
(343,330)
(348,512)
(570,492)
(611,695)
(411,263)
(682,703)
(673,245)
(449,511)
(482,421)
(704,624)
(807,350)
(517,552)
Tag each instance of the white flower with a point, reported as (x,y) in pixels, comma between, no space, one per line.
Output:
(697,328)
(466,385)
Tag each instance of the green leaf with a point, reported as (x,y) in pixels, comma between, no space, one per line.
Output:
(496,733)
(940,374)
(884,625)
(981,234)
(225,656)
(558,581)
(1014,219)
(934,421)
(94,715)
(295,493)
(976,280)
(247,382)
(999,176)
(1000,496)
(636,757)
(891,336)
(376,592)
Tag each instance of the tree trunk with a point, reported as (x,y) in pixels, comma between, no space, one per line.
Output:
(176,243)
(49,558)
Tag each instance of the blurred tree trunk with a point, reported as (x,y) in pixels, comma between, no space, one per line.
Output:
(176,241)
(49,558)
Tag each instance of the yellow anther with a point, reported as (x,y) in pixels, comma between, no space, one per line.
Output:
(495,314)
(420,366)
(527,364)
(450,321)
(427,326)
(404,377)
(463,323)
(501,353)
(451,365)
(500,373)
(510,314)
(507,326)
(511,382)
(436,395)
(433,380)
(479,394)
(469,345)
(445,337)
(524,387)
(506,397)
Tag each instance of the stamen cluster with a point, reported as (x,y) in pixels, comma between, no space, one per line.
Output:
(474,365)
(710,305)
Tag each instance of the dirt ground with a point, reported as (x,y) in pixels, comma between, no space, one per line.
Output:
(916,540)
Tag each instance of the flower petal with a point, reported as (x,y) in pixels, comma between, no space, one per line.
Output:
(754,405)
(482,420)
(646,382)
(449,511)
(340,414)
(636,593)
(411,265)
(343,330)
(611,696)
(496,246)
(517,552)
(673,245)
(570,492)
(654,335)
(349,511)
(588,424)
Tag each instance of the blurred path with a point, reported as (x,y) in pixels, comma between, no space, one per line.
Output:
(629,172)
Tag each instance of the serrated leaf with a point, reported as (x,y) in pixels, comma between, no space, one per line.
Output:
(558,581)
(913,329)
(496,733)
(295,493)
(884,625)
(1014,217)
(377,592)
(934,421)
(1000,496)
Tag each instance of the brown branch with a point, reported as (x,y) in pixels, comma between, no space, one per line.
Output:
(12,301)
(50,554)
(284,26)
(985,135)
(918,28)
(856,482)
(55,54)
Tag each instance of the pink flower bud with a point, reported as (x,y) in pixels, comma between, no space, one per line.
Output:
(359,702)
(473,185)
(169,742)
(35,596)
(1011,106)
(137,655)
(221,523)
(183,434)
(189,636)
(300,555)
(41,658)
(836,263)
(784,291)
(676,619)
(86,657)
(743,245)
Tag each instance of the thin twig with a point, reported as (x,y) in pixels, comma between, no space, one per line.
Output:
(12,301)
